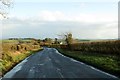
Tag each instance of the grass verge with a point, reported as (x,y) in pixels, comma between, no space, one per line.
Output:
(107,63)
(8,62)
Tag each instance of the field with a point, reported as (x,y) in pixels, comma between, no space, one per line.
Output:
(12,52)
(102,55)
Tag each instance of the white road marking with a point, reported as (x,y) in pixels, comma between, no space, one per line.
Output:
(49,59)
(44,76)
(61,74)
(31,73)
(58,69)
(41,64)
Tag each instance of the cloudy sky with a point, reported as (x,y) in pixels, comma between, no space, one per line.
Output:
(88,19)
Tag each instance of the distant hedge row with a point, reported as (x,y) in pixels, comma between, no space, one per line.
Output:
(108,47)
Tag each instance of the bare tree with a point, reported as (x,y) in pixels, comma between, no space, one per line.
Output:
(4,7)
(68,38)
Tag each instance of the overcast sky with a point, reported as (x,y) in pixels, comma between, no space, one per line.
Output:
(39,19)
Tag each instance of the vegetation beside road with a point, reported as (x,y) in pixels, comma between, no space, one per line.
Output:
(13,51)
(102,55)
(105,47)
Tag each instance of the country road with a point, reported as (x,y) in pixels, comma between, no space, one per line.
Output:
(49,63)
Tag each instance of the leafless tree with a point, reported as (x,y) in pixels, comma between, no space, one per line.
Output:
(4,7)
(68,38)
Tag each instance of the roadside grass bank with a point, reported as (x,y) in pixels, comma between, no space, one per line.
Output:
(8,62)
(14,51)
(106,62)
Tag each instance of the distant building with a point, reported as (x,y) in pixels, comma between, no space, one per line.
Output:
(61,42)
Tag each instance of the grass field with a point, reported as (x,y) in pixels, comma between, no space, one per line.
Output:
(108,63)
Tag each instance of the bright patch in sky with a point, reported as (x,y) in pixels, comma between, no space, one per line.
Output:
(86,20)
